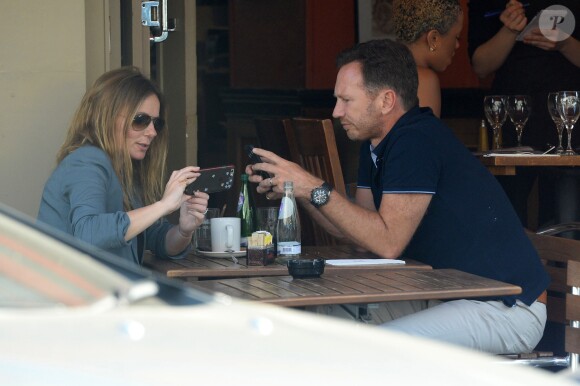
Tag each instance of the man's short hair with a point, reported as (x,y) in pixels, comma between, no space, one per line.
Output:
(385,64)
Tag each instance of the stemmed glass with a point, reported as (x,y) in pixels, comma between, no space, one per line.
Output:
(495,112)
(519,108)
(568,105)
(552,97)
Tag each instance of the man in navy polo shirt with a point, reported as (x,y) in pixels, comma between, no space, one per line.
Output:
(422,195)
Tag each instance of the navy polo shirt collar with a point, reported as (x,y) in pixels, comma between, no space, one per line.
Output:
(409,116)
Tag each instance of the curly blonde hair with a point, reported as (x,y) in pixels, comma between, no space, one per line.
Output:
(415,17)
(119,93)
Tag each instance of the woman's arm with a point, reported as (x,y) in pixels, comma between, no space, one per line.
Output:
(491,55)
(172,199)
(191,216)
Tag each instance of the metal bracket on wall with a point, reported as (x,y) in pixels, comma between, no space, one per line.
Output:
(156,19)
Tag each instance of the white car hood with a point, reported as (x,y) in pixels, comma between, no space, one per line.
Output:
(225,343)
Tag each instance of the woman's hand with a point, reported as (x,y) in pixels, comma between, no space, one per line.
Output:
(192,213)
(173,196)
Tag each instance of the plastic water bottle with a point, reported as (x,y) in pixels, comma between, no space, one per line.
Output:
(246,212)
(289,244)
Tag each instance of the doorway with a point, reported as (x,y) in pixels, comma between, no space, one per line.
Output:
(172,65)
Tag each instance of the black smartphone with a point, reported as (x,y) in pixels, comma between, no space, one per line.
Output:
(254,159)
(212,180)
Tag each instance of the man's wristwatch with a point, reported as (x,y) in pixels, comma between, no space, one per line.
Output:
(321,195)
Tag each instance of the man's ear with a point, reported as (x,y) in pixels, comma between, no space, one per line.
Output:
(388,98)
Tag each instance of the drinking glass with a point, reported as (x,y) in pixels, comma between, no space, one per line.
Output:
(202,235)
(519,108)
(495,112)
(552,97)
(568,104)
(267,219)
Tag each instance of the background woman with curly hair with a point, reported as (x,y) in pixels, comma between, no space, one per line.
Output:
(431,29)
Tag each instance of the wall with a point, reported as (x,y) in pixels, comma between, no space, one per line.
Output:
(42,73)
(303,39)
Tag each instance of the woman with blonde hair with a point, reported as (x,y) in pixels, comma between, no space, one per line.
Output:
(108,188)
(431,29)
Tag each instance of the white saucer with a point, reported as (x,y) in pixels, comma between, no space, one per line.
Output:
(223,254)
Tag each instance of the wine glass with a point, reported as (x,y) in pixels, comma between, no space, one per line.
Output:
(557,119)
(495,112)
(568,105)
(519,108)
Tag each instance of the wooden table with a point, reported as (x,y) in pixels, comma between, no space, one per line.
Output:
(196,267)
(567,183)
(360,288)
(506,165)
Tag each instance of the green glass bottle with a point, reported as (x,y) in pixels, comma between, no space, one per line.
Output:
(246,212)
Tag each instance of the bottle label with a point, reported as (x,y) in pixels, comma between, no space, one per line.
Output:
(286,208)
(243,242)
(240,202)
(289,248)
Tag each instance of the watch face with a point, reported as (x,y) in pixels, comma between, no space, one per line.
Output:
(320,196)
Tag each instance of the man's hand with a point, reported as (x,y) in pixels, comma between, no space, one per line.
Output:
(281,170)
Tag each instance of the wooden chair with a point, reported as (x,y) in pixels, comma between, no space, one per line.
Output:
(316,151)
(561,257)
(572,342)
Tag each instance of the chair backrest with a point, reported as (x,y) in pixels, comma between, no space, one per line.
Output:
(316,151)
(556,253)
(572,341)
(561,257)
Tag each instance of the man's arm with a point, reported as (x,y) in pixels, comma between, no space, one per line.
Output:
(385,233)
(364,198)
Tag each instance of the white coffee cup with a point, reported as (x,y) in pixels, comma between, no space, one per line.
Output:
(225,234)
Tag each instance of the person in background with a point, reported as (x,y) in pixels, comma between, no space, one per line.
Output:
(108,188)
(421,195)
(431,29)
(534,66)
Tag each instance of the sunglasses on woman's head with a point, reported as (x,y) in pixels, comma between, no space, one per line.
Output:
(141,121)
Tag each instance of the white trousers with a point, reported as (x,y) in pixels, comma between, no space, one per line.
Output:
(485,326)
